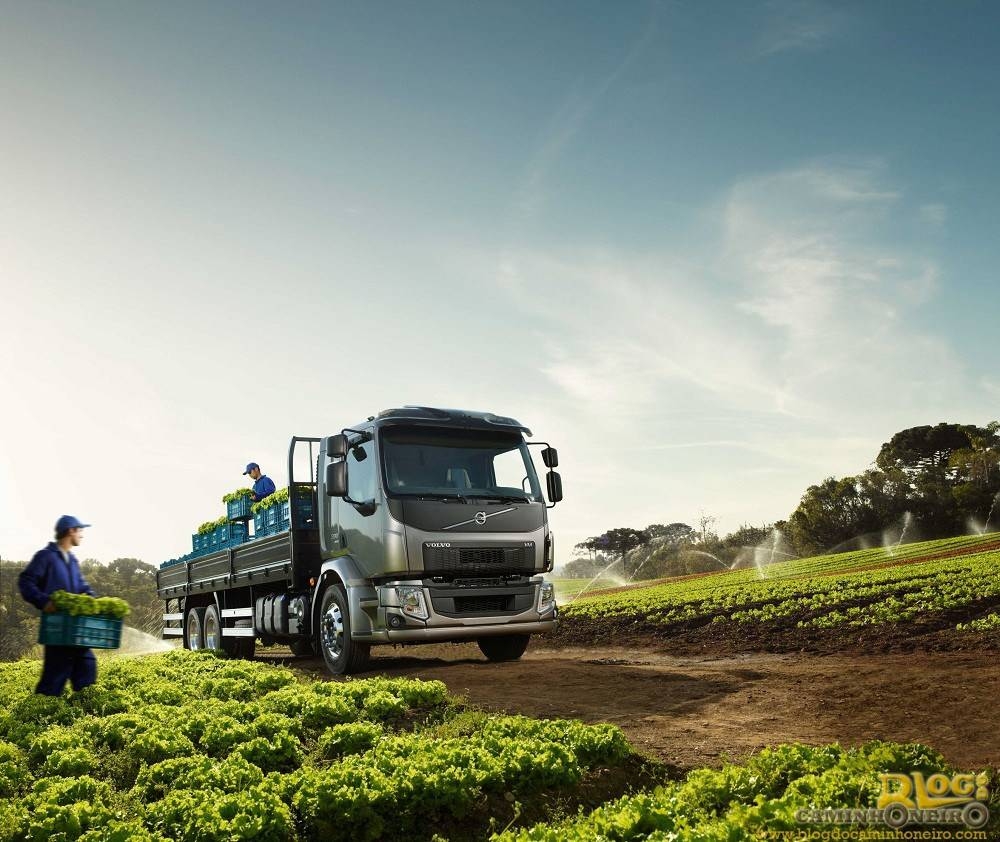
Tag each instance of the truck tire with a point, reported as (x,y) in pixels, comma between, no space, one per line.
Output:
(506,647)
(231,647)
(342,655)
(194,629)
(302,648)
(212,628)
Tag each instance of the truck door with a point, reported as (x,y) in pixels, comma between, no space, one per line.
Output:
(361,522)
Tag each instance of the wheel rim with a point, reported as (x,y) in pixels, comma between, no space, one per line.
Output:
(211,631)
(333,631)
(194,632)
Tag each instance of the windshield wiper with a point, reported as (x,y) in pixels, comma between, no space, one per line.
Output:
(501,498)
(434,495)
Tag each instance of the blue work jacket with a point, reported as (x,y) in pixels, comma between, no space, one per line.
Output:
(263,487)
(47,573)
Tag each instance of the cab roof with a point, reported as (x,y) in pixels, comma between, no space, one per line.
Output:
(452,417)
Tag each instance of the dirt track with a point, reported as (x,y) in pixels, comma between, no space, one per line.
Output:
(697,710)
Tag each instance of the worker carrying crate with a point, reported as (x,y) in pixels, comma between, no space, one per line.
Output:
(73,620)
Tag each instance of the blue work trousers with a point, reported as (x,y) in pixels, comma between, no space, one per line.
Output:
(62,663)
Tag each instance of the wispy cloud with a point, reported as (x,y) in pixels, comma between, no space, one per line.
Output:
(790,339)
(798,295)
(798,26)
(810,264)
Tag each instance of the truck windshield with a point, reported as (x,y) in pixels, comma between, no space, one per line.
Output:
(458,464)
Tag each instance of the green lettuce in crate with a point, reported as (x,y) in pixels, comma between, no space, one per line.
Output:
(210,526)
(80,604)
(279,496)
(238,494)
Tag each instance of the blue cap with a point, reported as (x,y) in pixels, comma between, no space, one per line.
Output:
(250,467)
(69,522)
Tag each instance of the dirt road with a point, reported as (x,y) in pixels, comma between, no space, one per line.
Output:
(692,711)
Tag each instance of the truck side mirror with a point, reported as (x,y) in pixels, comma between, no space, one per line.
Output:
(336,478)
(336,446)
(553,483)
(550,456)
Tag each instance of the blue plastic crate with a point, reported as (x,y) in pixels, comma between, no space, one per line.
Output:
(239,509)
(260,524)
(59,629)
(201,542)
(229,535)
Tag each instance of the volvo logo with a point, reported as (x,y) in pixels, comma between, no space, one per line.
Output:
(481,518)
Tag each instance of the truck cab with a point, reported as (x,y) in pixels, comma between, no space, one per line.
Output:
(433,527)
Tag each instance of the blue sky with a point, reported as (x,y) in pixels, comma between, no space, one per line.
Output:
(713,251)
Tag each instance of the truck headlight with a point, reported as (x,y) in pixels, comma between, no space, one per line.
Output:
(546,597)
(411,601)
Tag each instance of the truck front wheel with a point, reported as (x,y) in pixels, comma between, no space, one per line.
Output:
(342,655)
(506,647)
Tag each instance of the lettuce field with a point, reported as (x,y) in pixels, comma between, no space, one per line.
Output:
(949,585)
(188,746)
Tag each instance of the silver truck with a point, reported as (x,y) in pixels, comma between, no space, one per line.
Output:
(418,525)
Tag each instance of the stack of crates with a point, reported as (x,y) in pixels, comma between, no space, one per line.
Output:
(267,521)
(201,543)
(270,521)
(228,535)
(278,517)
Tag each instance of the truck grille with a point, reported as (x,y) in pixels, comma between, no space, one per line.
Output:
(474,604)
(479,560)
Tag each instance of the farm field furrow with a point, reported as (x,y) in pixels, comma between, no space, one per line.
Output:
(953,582)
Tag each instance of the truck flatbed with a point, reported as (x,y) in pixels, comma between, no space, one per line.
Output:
(285,557)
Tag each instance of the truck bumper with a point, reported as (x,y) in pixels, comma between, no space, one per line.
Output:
(445,618)
(438,634)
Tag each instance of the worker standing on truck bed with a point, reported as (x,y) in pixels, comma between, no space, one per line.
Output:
(262,485)
(55,568)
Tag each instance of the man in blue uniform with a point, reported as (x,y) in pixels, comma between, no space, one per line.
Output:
(55,568)
(262,485)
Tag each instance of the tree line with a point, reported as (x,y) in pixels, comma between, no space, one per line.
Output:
(925,482)
(128,578)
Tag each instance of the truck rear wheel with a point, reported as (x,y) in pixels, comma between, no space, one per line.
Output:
(506,647)
(342,655)
(229,645)
(194,629)
(212,627)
